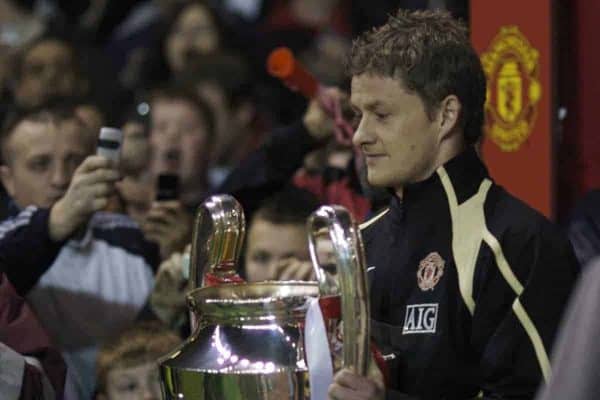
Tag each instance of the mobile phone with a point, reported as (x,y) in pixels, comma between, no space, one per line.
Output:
(109,144)
(167,187)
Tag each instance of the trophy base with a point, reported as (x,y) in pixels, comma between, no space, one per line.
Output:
(192,385)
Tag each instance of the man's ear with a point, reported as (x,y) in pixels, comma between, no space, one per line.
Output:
(7,179)
(449,115)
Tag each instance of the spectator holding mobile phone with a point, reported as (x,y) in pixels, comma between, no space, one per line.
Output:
(74,260)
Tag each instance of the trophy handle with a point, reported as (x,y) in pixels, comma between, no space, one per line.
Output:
(217,240)
(343,232)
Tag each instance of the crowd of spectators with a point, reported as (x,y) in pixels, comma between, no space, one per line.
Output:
(92,265)
(87,251)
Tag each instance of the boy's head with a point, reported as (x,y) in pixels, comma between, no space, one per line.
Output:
(225,83)
(277,232)
(127,368)
(182,130)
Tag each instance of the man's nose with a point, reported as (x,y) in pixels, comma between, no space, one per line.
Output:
(361,134)
(173,133)
(61,176)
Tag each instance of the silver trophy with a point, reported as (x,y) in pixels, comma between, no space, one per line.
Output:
(248,338)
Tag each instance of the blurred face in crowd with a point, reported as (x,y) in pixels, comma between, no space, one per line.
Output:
(41,158)
(194,34)
(48,70)
(225,125)
(326,58)
(136,188)
(397,138)
(179,140)
(231,122)
(139,382)
(269,243)
(135,153)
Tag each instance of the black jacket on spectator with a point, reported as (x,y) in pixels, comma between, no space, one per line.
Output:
(27,230)
(18,237)
(269,168)
(273,165)
(83,290)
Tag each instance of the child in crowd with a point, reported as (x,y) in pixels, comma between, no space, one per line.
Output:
(277,244)
(276,249)
(127,367)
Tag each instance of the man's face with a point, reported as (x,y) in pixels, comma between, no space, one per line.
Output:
(135,153)
(179,140)
(194,34)
(42,158)
(269,243)
(134,383)
(48,70)
(397,138)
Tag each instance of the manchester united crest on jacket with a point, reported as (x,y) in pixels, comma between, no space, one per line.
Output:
(430,271)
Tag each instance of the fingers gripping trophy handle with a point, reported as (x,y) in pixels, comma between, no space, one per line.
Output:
(345,237)
(217,240)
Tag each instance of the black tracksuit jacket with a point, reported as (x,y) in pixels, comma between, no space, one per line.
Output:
(467,287)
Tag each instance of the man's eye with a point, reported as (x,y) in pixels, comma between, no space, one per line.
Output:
(39,165)
(381,116)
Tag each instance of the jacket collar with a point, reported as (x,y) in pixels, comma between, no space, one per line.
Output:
(466,171)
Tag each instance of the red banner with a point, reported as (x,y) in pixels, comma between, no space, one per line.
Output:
(513,38)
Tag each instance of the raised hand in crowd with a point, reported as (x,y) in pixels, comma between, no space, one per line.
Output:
(168,296)
(326,115)
(92,186)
